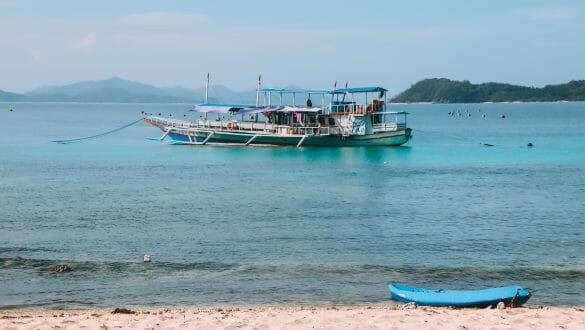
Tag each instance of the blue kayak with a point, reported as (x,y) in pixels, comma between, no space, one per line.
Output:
(511,295)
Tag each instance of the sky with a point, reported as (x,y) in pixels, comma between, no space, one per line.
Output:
(306,43)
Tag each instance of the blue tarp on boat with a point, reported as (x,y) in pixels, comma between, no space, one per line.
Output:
(510,295)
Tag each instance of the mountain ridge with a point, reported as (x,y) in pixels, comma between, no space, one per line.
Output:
(434,90)
(443,90)
(117,89)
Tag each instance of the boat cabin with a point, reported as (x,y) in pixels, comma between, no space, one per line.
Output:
(345,111)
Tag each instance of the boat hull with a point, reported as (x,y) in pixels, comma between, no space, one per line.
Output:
(201,135)
(509,295)
(394,139)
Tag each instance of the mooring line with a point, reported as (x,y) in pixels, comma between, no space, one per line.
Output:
(97,135)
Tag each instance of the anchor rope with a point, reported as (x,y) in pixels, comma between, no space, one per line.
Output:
(97,135)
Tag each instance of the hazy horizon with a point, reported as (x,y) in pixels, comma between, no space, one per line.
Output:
(388,43)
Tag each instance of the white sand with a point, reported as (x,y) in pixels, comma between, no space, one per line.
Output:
(345,317)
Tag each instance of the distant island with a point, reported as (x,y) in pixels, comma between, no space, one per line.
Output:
(118,90)
(436,90)
(442,90)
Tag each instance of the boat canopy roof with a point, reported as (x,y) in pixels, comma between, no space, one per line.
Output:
(370,89)
(252,110)
(367,89)
(219,107)
(248,109)
(294,90)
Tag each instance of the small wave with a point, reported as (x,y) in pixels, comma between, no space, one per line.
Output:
(16,249)
(439,273)
(107,267)
(59,304)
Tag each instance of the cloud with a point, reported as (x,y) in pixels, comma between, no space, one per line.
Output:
(163,19)
(554,13)
(86,43)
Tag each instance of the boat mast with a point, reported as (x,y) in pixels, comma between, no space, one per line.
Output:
(207,88)
(258,96)
(206,94)
(258,91)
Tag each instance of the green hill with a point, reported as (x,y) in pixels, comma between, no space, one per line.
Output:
(442,90)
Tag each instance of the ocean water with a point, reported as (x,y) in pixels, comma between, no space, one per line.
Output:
(261,225)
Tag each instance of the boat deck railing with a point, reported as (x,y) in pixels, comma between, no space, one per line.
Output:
(268,128)
(355,108)
(242,126)
(172,122)
(389,126)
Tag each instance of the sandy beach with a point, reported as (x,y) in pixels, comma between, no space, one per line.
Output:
(340,317)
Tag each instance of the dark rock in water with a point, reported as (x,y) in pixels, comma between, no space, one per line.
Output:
(123,311)
(62,269)
(530,144)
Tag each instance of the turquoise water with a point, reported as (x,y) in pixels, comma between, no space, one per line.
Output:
(242,226)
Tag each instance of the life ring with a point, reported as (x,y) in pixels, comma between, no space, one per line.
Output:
(230,126)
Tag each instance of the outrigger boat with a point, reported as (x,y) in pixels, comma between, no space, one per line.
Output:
(355,116)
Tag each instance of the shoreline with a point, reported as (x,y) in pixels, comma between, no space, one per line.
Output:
(380,316)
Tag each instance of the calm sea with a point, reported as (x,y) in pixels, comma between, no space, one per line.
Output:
(262,225)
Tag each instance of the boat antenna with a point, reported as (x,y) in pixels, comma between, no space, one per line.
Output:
(207,87)
(258,90)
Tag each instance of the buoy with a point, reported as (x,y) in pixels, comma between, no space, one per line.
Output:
(503,116)
(146,258)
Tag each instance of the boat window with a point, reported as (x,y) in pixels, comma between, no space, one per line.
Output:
(331,121)
(322,120)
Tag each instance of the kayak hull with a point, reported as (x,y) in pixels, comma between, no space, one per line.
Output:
(509,295)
